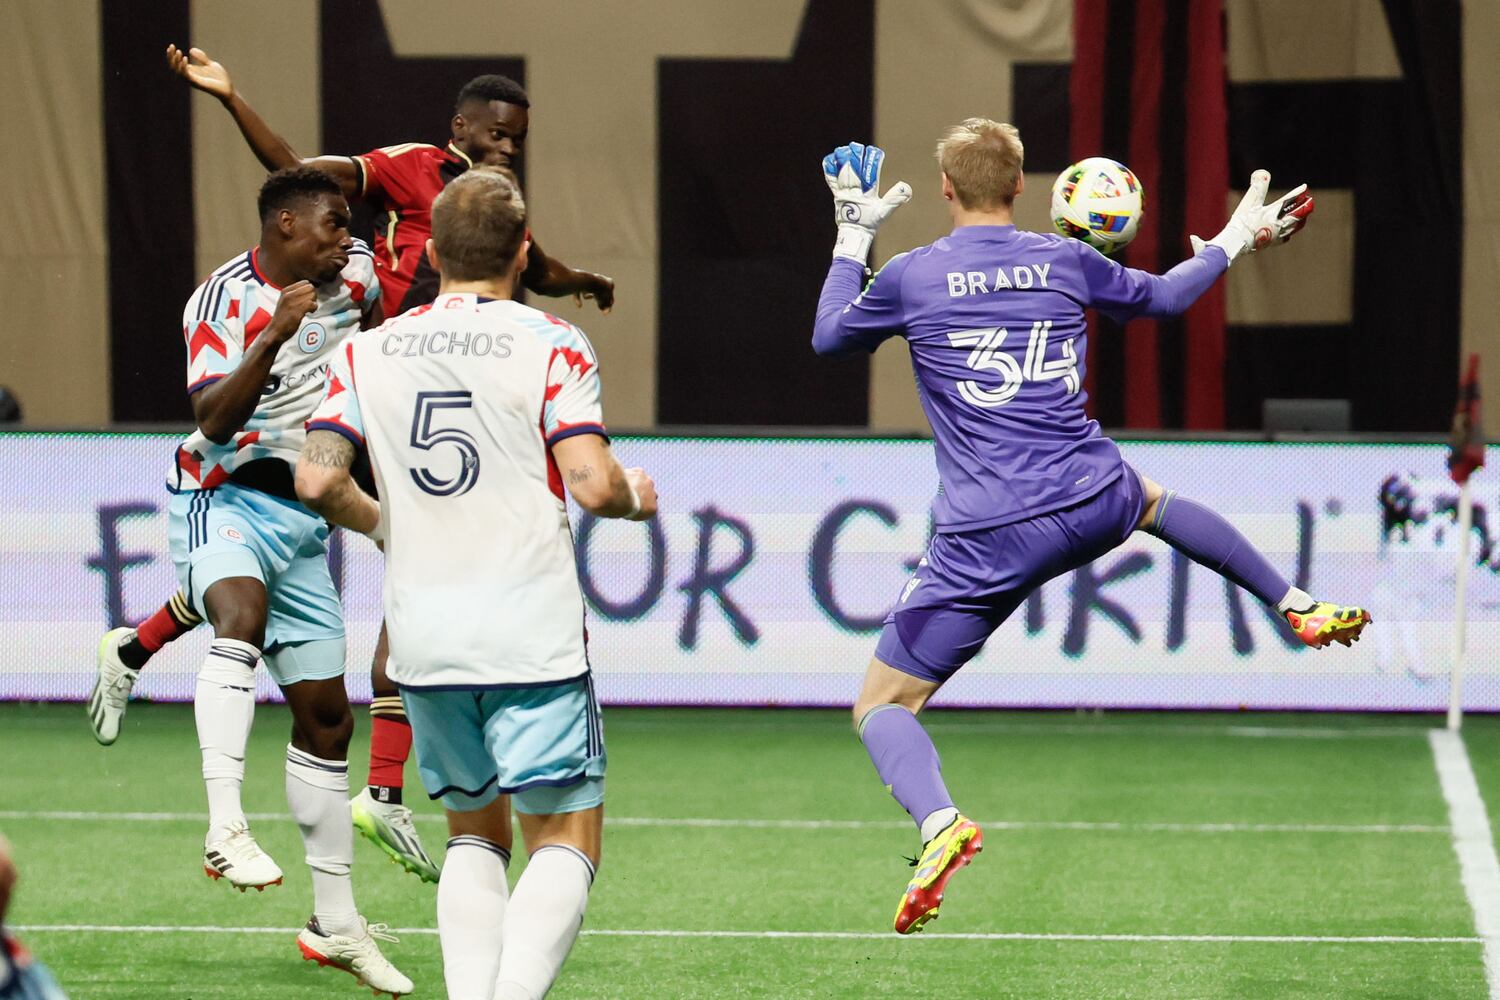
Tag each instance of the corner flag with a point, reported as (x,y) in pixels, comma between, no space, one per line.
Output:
(1465,454)
(1466,445)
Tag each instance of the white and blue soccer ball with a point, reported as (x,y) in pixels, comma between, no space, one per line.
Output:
(1100,202)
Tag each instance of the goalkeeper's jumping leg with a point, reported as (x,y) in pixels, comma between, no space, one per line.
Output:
(1209,540)
(908,765)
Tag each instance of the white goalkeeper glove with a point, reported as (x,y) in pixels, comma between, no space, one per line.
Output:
(1255,224)
(853,175)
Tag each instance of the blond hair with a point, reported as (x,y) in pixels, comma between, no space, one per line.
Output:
(478,224)
(983,160)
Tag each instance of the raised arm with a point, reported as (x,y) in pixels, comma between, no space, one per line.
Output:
(850,315)
(269,147)
(1124,293)
(549,276)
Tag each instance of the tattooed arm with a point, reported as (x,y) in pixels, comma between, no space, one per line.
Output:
(597,481)
(325,484)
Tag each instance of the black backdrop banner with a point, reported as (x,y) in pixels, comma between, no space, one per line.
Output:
(743,223)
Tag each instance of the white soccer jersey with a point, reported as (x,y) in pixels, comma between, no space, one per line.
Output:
(458,404)
(222,320)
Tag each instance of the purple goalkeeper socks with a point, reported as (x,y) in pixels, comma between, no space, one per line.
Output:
(1209,540)
(906,760)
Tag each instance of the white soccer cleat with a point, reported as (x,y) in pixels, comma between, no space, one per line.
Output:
(390,827)
(112,687)
(358,956)
(237,857)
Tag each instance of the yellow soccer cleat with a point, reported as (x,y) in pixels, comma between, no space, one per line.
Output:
(941,857)
(390,828)
(1327,623)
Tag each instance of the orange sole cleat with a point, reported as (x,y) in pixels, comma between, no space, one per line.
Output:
(944,855)
(216,875)
(1328,623)
(323,961)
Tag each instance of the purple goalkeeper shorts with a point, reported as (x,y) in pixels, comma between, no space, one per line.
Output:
(969,582)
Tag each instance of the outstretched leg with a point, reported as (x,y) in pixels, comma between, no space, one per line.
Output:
(1209,540)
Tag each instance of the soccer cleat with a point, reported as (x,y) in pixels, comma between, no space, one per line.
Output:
(390,827)
(1326,623)
(237,857)
(112,687)
(941,857)
(359,956)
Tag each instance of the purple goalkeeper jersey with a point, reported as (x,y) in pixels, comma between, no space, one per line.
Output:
(994,320)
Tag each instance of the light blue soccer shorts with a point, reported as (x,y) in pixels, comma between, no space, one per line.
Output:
(232,531)
(542,745)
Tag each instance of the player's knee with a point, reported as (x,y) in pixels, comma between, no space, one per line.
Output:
(863,709)
(247,624)
(332,736)
(237,610)
(324,733)
(857,716)
(1152,495)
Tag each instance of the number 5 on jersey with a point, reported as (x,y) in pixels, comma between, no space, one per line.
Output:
(425,437)
(987,355)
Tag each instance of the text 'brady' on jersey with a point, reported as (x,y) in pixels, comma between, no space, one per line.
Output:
(458,404)
(221,322)
(994,318)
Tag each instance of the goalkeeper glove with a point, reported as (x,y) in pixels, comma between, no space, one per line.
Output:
(1255,224)
(853,175)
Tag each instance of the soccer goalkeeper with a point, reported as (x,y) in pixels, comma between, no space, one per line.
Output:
(1030,487)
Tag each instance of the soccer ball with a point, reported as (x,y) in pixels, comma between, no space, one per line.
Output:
(1100,202)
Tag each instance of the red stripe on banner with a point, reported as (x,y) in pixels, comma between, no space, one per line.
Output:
(1142,370)
(1207,205)
(1086,125)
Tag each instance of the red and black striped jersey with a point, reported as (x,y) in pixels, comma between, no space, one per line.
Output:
(401,182)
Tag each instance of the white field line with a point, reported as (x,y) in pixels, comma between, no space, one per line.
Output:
(796,824)
(1179,729)
(935,723)
(802,935)
(1473,843)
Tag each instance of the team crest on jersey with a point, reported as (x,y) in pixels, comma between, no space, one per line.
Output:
(311,338)
(230,533)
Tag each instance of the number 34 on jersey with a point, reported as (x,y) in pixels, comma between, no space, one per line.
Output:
(989,354)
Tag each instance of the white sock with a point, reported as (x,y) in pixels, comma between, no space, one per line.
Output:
(542,921)
(224,706)
(317,791)
(471,900)
(937,821)
(1296,600)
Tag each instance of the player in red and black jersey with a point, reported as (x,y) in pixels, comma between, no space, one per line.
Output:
(490,122)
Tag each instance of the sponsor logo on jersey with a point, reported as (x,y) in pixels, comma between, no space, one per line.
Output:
(295,380)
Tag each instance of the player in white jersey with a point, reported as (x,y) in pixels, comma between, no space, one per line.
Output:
(253,560)
(475,411)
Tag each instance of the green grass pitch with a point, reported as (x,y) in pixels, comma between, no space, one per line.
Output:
(754,854)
